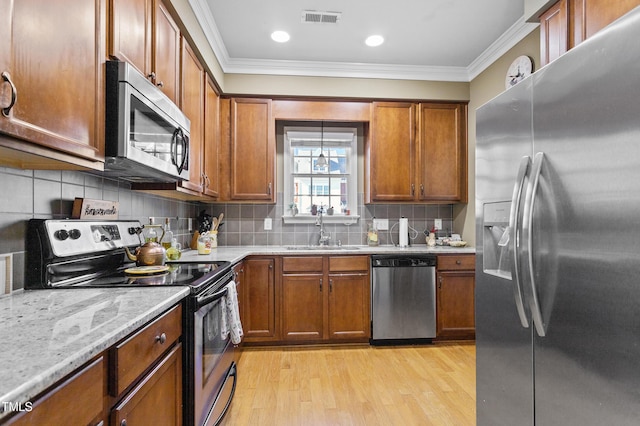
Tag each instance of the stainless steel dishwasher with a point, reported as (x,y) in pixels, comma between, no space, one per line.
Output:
(403,299)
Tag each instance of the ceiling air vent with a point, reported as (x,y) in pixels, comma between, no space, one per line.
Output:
(317,17)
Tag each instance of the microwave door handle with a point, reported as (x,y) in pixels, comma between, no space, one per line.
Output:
(179,137)
(527,230)
(174,147)
(185,152)
(514,230)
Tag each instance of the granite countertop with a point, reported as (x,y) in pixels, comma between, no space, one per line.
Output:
(235,254)
(47,334)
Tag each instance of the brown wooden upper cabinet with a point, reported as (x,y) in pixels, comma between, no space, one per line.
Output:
(569,22)
(417,153)
(143,33)
(192,104)
(253,149)
(52,83)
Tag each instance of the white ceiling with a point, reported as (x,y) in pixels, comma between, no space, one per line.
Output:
(447,40)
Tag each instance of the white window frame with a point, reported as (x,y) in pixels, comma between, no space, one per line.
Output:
(352,173)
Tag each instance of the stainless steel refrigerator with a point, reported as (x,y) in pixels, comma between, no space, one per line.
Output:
(558,240)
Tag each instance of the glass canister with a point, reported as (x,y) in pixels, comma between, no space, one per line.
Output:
(204,243)
(214,238)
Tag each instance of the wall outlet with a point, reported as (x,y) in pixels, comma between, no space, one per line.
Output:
(437,223)
(381,224)
(268,225)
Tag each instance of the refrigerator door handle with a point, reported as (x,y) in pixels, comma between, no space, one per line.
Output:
(514,225)
(527,229)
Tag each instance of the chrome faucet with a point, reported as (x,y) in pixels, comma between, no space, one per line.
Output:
(325,236)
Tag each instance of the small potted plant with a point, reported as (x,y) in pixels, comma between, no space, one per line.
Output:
(294,209)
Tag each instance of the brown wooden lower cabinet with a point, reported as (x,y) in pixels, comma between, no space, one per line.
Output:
(259,300)
(157,398)
(325,298)
(78,400)
(455,296)
(138,381)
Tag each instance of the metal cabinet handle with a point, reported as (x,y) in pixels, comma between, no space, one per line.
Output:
(458,262)
(413,189)
(321,285)
(151,76)
(123,422)
(269,189)
(207,181)
(440,281)
(331,285)
(160,84)
(162,338)
(514,227)
(14,93)
(527,231)
(422,189)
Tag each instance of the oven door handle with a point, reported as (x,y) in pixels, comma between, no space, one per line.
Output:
(205,300)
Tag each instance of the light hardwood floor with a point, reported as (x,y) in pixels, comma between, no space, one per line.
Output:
(356,385)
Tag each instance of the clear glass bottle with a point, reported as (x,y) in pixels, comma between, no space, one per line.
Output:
(168,235)
(173,252)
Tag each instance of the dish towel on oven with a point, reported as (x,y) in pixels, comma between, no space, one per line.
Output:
(231,315)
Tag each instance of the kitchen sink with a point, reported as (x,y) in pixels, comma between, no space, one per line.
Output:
(328,248)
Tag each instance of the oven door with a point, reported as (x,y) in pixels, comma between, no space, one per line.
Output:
(214,368)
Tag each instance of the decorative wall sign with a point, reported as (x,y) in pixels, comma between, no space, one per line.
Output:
(86,208)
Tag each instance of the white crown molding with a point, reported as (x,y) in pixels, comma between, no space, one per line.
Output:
(506,41)
(355,70)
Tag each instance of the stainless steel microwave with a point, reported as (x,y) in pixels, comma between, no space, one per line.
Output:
(146,134)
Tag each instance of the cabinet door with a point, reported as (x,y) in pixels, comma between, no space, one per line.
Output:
(302,306)
(391,152)
(130,31)
(442,153)
(157,399)
(76,401)
(252,150)
(554,29)
(53,54)
(193,78)
(597,14)
(259,300)
(211,140)
(455,304)
(349,306)
(166,52)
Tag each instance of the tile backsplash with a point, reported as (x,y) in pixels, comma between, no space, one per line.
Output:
(27,194)
(243,224)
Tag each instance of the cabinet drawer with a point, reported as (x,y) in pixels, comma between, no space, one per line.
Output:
(77,401)
(457,262)
(348,263)
(138,352)
(302,264)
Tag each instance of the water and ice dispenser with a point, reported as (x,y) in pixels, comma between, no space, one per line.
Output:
(496,239)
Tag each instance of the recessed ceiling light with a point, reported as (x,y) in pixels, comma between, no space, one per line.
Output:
(280,36)
(374,40)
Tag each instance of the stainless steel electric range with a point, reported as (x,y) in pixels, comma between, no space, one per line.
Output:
(75,253)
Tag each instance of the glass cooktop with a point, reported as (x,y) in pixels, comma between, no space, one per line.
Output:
(193,274)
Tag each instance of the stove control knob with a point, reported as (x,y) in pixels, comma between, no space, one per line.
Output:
(132,231)
(61,234)
(74,234)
